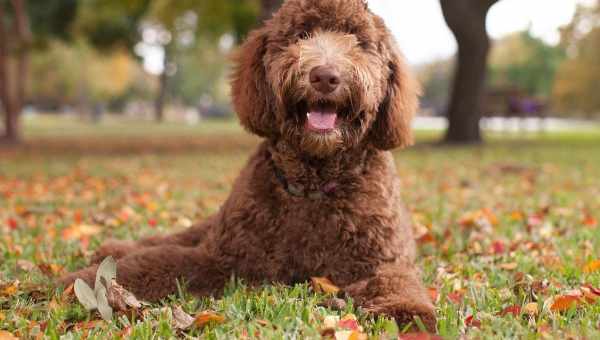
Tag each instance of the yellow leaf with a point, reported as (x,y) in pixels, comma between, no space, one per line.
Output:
(592,267)
(324,285)
(78,231)
(208,317)
(531,309)
(9,289)
(4,335)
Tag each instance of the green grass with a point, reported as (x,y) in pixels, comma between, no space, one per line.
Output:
(535,196)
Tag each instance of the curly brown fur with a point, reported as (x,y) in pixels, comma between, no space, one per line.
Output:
(320,197)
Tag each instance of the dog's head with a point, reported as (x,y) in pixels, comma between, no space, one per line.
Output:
(326,76)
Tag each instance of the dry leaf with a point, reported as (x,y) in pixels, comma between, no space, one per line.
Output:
(79,231)
(513,310)
(181,319)
(564,302)
(208,317)
(531,309)
(419,336)
(120,298)
(334,303)
(50,269)
(85,295)
(25,266)
(349,335)
(509,266)
(9,289)
(324,285)
(5,335)
(592,267)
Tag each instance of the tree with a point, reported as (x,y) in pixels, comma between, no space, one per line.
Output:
(466,19)
(13,43)
(24,25)
(576,86)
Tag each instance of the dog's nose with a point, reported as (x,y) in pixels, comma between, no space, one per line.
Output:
(324,79)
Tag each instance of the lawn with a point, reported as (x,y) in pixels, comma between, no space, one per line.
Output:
(508,232)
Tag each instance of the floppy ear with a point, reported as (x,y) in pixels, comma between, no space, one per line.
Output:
(392,126)
(252,98)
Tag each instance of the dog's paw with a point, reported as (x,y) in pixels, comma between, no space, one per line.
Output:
(405,313)
(115,248)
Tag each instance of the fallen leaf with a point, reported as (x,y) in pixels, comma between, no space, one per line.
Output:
(349,322)
(120,298)
(509,266)
(456,297)
(104,307)
(592,267)
(564,302)
(208,317)
(350,335)
(25,265)
(50,269)
(433,293)
(514,310)
(79,231)
(531,309)
(9,289)
(331,321)
(85,295)
(324,285)
(181,319)
(5,335)
(334,303)
(470,321)
(419,336)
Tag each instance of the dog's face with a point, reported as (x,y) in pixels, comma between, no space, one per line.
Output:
(326,76)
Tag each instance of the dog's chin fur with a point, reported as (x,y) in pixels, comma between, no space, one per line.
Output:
(321,145)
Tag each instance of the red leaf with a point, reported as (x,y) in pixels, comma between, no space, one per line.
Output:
(470,321)
(514,310)
(455,297)
(12,223)
(419,336)
(498,247)
(433,293)
(349,324)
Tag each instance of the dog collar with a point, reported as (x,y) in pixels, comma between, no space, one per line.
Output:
(300,190)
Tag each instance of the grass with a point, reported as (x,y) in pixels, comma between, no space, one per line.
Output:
(512,223)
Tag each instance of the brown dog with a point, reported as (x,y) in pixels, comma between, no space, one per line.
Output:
(324,83)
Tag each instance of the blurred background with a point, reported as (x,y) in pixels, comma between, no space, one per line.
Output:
(69,66)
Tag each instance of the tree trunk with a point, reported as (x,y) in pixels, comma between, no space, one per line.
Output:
(163,83)
(268,7)
(466,19)
(13,100)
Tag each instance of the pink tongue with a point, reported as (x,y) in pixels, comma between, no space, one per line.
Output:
(321,121)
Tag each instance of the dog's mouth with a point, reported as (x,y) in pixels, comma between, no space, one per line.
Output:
(321,116)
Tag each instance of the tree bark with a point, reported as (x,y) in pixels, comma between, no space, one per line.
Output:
(466,19)
(163,83)
(13,99)
(268,7)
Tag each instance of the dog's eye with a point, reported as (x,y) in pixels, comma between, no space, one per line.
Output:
(365,45)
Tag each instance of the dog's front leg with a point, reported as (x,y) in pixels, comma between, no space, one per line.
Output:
(152,273)
(395,291)
(190,237)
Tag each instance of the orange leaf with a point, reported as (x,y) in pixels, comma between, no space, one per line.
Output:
(9,289)
(349,322)
(564,302)
(324,285)
(4,335)
(433,293)
(592,267)
(207,317)
(419,336)
(79,231)
(509,266)
(455,297)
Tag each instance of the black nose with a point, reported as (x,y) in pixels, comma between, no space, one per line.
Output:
(324,79)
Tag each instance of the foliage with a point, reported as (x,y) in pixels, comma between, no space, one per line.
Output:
(435,78)
(76,71)
(524,62)
(578,77)
(508,233)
